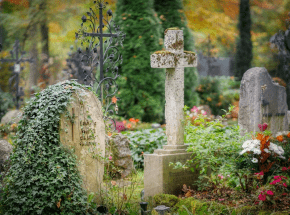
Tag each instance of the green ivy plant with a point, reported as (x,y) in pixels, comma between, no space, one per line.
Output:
(43,177)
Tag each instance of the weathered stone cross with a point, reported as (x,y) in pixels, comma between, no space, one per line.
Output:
(174,59)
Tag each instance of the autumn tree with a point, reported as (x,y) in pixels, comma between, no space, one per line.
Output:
(172,14)
(141,87)
(244,53)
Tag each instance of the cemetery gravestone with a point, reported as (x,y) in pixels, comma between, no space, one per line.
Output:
(86,135)
(262,101)
(12,116)
(158,176)
(221,66)
(118,148)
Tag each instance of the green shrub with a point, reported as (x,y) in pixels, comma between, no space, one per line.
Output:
(216,147)
(141,87)
(43,177)
(145,141)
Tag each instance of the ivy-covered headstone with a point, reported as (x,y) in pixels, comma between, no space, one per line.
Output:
(45,175)
(84,132)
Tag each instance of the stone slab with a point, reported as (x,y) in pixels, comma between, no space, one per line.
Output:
(159,177)
(251,113)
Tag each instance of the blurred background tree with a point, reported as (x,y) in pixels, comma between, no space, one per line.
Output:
(172,14)
(244,53)
(141,87)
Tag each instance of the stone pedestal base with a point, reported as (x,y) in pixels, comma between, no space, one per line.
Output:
(159,177)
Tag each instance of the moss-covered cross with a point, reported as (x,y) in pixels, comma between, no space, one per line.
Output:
(174,59)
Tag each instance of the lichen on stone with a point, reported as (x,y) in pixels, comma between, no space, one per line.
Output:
(190,57)
(173,28)
(162,52)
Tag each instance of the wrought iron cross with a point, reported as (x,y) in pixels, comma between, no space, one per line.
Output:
(97,53)
(17,68)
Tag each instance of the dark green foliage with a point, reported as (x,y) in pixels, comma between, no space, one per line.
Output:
(145,141)
(141,87)
(244,53)
(43,172)
(6,102)
(172,15)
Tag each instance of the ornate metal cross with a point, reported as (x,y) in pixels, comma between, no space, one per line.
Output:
(100,54)
(17,68)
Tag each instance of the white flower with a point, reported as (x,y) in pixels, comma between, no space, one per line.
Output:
(276,149)
(246,144)
(242,152)
(266,150)
(257,151)
(255,160)
(280,156)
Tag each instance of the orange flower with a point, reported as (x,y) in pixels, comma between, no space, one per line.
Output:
(124,122)
(114,100)
(137,120)
(280,138)
(132,120)
(209,99)
(129,126)
(110,134)
(288,135)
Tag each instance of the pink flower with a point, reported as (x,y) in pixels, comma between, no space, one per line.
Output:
(221,176)
(110,158)
(204,113)
(269,192)
(260,173)
(194,109)
(284,168)
(284,194)
(275,181)
(263,127)
(262,197)
(284,184)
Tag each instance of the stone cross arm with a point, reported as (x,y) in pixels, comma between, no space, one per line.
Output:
(167,59)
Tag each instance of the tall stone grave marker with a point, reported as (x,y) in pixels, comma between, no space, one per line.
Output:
(86,135)
(262,101)
(158,176)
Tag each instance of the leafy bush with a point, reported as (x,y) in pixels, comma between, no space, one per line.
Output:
(144,142)
(6,102)
(43,177)
(216,148)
